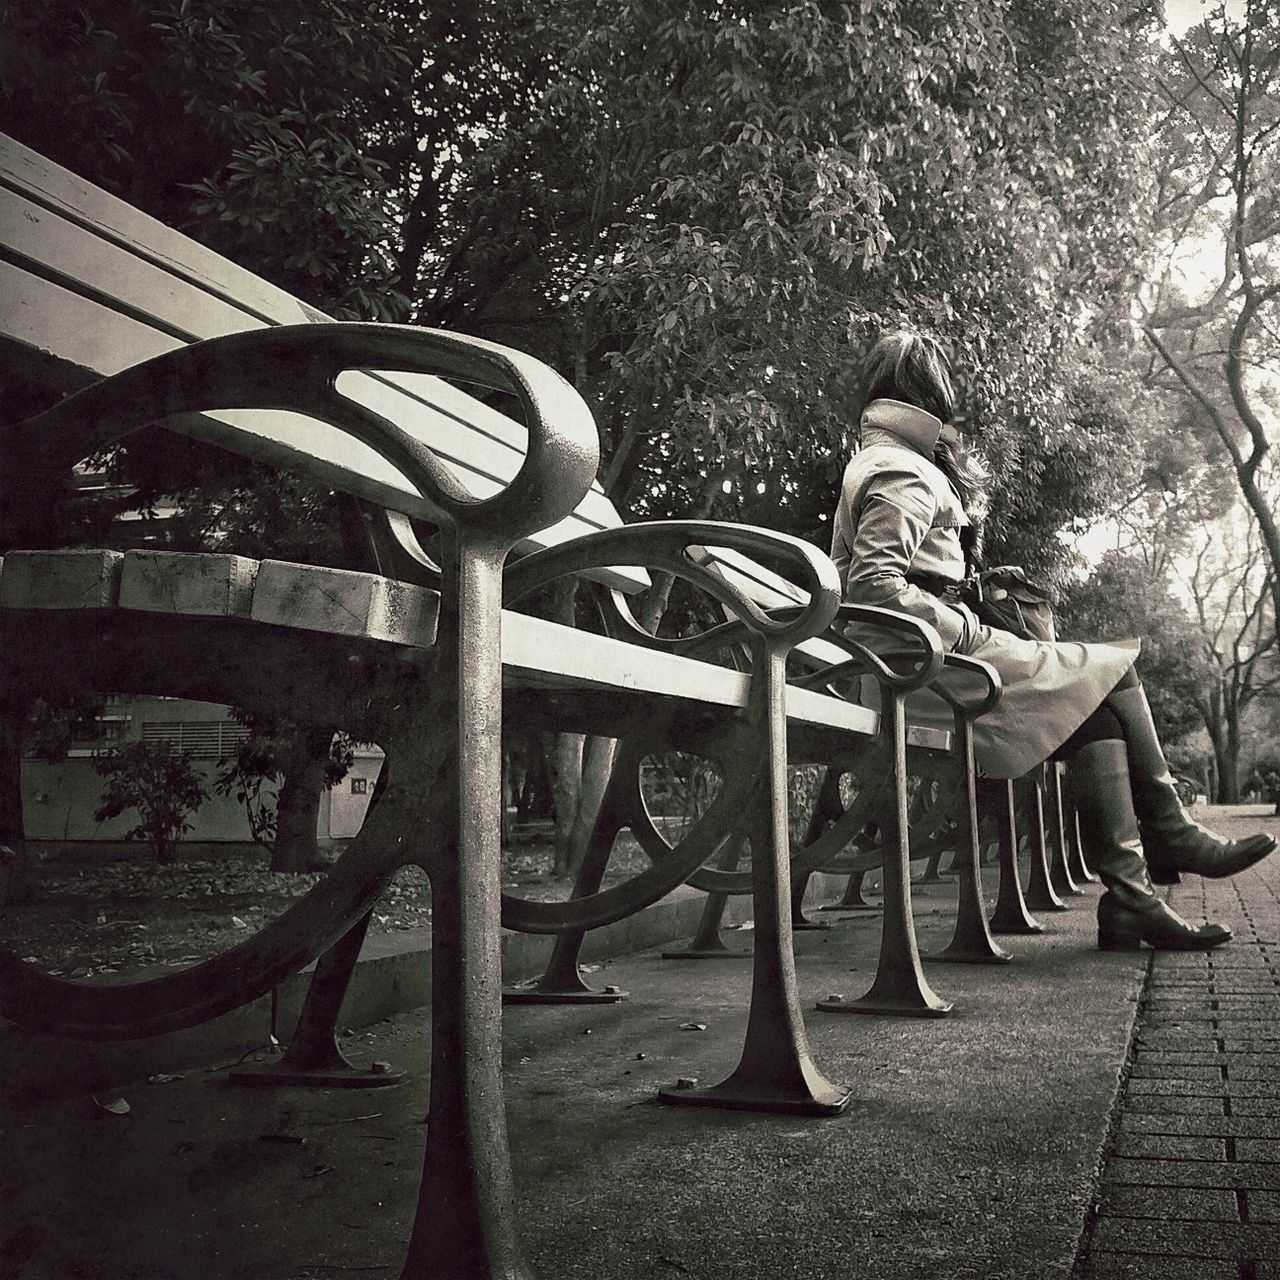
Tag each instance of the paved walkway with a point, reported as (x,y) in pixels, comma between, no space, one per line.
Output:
(1191,1190)
(971,1150)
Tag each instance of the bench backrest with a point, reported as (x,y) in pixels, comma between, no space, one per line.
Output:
(89,286)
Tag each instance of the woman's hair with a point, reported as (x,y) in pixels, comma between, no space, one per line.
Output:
(914,369)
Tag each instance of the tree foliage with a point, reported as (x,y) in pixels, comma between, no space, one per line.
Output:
(732,201)
(1123,598)
(1212,317)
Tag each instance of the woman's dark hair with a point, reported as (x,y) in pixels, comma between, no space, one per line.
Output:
(914,369)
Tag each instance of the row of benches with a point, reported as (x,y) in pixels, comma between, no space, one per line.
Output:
(423,658)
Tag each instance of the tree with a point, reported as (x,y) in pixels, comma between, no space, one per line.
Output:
(315,142)
(1122,597)
(1229,583)
(278,774)
(161,784)
(1218,343)
(712,211)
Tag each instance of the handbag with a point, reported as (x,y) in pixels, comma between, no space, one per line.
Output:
(1005,598)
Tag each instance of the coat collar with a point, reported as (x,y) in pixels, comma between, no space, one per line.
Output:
(915,427)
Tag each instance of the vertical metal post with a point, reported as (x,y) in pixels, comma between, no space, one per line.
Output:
(1040,893)
(707,944)
(776,1071)
(900,986)
(1011,915)
(1059,870)
(972,942)
(464,1228)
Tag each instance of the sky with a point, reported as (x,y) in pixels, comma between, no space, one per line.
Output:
(1181,14)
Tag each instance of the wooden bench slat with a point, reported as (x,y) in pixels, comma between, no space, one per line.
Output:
(113,325)
(213,585)
(537,649)
(87,579)
(24,170)
(345,603)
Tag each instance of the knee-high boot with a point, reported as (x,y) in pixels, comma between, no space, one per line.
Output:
(1129,912)
(1172,839)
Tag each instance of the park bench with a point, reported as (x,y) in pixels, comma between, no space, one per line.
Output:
(92,286)
(418,668)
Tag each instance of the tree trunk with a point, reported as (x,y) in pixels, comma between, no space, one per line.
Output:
(298,804)
(564,758)
(597,762)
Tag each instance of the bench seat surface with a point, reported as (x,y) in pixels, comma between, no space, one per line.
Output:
(538,656)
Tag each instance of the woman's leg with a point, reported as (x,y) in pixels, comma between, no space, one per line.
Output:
(1172,840)
(1129,912)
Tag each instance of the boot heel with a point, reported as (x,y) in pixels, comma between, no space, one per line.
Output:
(1119,935)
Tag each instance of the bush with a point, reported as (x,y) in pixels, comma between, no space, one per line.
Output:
(161,784)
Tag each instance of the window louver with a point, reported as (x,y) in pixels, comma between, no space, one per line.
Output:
(203,739)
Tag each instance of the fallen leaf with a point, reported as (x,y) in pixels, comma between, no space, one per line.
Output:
(693,1026)
(117,1106)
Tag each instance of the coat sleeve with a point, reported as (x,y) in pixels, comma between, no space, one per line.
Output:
(896,512)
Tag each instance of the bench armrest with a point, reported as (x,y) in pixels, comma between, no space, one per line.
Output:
(296,367)
(925,658)
(970,703)
(670,546)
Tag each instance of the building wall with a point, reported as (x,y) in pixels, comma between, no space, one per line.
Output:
(58,800)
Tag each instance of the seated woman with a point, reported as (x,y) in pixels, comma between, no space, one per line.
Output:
(897,543)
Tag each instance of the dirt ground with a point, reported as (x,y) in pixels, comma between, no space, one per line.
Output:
(91,916)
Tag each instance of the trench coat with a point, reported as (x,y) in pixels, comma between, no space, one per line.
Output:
(898,515)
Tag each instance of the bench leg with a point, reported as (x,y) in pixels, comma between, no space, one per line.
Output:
(1080,872)
(1040,892)
(314,1057)
(707,944)
(561,982)
(799,921)
(776,1071)
(1011,915)
(852,899)
(1059,870)
(932,873)
(827,808)
(900,986)
(972,942)
(464,1226)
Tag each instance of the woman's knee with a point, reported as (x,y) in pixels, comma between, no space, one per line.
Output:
(1102,724)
